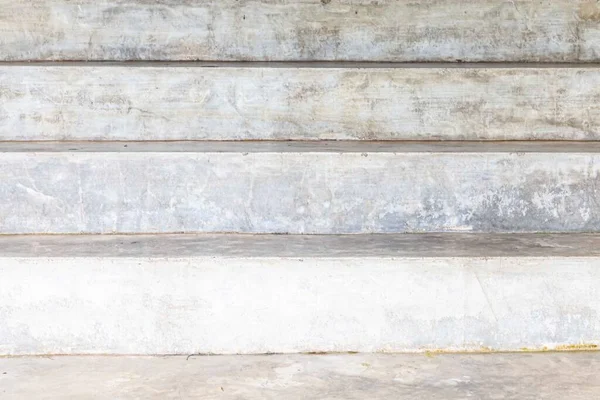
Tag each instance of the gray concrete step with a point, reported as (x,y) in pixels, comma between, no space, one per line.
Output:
(386,30)
(280,102)
(548,376)
(291,187)
(240,294)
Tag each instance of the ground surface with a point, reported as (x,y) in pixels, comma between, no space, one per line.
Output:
(520,376)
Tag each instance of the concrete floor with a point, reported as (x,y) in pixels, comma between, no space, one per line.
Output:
(565,375)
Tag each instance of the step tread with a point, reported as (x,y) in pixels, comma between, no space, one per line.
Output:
(527,376)
(301,147)
(479,245)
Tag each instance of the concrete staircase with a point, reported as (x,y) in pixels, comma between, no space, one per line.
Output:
(314,176)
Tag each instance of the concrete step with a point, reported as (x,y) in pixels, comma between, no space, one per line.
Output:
(240,294)
(295,187)
(388,30)
(232,102)
(548,376)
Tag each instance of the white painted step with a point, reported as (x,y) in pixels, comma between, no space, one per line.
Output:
(237,294)
(388,30)
(548,376)
(296,187)
(233,102)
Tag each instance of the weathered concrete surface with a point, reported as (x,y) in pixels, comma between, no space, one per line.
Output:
(284,187)
(166,102)
(548,376)
(386,30)
(257,294)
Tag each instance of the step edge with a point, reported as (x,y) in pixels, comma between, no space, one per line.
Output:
(304,146)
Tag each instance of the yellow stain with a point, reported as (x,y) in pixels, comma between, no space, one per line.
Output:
(582,346)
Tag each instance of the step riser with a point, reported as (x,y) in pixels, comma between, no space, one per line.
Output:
(259,305)
(298,192)
(154,103)
(389,30)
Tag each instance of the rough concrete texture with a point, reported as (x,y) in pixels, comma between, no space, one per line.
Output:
(259,294)
(166,102)
(298,188)
(542,376)
(386,30)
